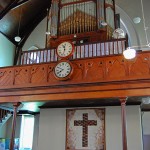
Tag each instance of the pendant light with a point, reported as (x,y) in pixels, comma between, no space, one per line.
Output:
(18,38)
(130,52)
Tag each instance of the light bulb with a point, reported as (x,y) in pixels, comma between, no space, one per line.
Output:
(129,53)
(148,44)
(137,20)
(17,38)
(104,23)
(75,36)
(48,33)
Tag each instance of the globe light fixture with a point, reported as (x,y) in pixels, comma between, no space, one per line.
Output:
(129,53)
(137,20)
(47,33)
(17,38)
(103,23)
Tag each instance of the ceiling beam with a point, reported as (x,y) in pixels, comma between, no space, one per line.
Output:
(8,8)
(20,3)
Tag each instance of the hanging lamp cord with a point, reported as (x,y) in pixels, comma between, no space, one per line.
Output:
(19,21)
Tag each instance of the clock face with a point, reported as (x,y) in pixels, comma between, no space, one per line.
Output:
(63,70)
(65,49)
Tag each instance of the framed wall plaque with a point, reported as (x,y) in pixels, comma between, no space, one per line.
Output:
(85,129)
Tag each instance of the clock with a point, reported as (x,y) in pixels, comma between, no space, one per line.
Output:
(65,49)
(63,70)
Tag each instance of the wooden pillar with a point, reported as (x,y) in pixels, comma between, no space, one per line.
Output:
(123,117)
(16,105)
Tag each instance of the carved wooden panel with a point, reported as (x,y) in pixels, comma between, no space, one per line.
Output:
(6,77)
(140,66)
(92,70)
(39,74)
(22,76)
(116,69)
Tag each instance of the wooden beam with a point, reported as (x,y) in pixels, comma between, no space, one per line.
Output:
(20,3)
(8,8)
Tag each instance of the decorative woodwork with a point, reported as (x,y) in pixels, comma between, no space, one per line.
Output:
(100,77)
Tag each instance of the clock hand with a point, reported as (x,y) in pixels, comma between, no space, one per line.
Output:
(60,71)
(59,68)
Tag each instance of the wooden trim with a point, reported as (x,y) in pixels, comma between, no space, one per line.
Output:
(73,96)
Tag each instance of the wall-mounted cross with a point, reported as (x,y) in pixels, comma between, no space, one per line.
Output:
(85,123)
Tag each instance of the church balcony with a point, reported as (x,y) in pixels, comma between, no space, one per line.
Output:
(92,78)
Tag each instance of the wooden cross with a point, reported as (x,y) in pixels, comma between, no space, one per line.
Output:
(85,123)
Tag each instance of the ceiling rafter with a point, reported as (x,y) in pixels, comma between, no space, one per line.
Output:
(20,3)
(8,8)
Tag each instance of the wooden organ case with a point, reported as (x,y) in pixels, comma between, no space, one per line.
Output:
(81,20)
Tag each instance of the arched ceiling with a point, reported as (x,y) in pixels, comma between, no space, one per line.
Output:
(30,12)
(24,13)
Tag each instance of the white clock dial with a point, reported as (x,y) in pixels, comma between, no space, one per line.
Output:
(63,69)
(65,49)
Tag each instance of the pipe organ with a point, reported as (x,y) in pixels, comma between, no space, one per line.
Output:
(78,20)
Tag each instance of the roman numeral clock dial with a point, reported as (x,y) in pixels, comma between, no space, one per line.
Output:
(65,49)
(63,70)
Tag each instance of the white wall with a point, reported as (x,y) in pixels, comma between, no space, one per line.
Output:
(2,131)
(146,129)
(146,123)
(52,129)
(36,132)
(7,51)
(37,37)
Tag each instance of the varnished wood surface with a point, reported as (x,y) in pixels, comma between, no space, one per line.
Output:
(103,77)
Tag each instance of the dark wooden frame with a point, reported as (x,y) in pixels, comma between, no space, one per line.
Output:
(66,57)
(69,75)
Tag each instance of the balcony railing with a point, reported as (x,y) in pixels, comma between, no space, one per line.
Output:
(82,51)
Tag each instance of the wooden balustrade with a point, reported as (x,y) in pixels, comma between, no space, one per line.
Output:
(82,51)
